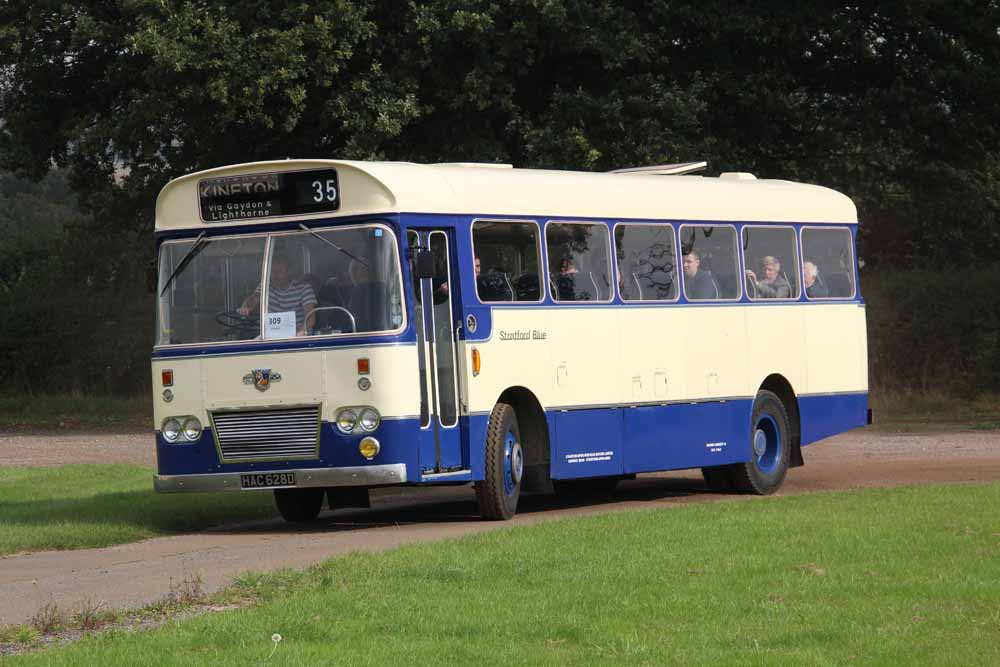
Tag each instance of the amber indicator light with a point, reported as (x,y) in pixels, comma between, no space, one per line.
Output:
(168,378)
(364,367)
(476,362)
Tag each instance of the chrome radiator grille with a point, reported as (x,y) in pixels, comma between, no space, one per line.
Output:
(260,435)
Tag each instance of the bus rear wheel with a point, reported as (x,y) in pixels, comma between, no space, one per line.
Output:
(765,472)
(498,493)
(299,505)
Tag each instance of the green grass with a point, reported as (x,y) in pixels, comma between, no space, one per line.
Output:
(54,412)
(81,506)
(913,410)
(884,577)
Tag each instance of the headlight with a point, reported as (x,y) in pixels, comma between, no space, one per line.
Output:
(192,428)
(369,419)
(171,429)
(347,420)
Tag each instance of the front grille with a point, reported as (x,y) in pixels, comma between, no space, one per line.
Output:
(268,434)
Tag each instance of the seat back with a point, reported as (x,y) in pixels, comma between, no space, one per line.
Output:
(839,284)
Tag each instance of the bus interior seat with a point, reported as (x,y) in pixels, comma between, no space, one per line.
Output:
(575,287)
(838,284)
(527,288)
(725,285)
(494,286)
(327,320)
(370,309)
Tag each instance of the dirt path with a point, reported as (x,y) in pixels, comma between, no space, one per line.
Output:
(137,574)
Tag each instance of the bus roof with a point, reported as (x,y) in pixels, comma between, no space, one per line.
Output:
(497,190)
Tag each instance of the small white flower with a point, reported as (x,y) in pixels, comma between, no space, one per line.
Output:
(275,638)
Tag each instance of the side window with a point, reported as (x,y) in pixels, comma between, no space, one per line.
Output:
(647,262)
(771,261)
(579,261)
(709,263)
(506,256)
(828,263)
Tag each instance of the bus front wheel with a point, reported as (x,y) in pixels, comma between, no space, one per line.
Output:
(765,472)
(298,505)
(498,493)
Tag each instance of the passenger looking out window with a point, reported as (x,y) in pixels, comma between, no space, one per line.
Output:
(709,262)
(771,259)
(831,260)
(698,284)
(815,289)
(771,284)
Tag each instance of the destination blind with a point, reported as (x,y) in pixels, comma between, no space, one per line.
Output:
(254,196)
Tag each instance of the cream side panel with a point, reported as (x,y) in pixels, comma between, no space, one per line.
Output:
(715,352)
(862,327)
(187,390)
(395,380)
(652,359)
(507,363)
(584,356)
(836,348)
(776,344)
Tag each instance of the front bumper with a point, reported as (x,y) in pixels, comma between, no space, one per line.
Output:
(304,478)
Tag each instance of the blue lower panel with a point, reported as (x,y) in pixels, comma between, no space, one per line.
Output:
(588,443)
(398,438)
(477,425)
(823,416)
(686,435)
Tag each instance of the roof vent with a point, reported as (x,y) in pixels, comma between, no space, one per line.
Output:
(737,176)
(664,169)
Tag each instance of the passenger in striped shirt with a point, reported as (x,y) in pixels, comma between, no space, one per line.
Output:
(284,295)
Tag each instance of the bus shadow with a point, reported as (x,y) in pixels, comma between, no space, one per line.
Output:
(457,505)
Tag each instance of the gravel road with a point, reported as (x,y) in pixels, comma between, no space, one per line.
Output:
(137,574)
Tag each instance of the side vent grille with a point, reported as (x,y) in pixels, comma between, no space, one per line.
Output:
(262,435)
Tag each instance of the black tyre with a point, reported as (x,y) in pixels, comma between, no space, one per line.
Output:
(498,493)
(717,479)
(769,448)
(583,488)
(299,505)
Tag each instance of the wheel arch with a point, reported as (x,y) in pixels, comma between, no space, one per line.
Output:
(779,385)
(535,441)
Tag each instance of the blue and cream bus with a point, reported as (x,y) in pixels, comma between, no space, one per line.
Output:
(325,327)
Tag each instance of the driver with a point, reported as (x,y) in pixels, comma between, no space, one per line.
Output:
(284,295)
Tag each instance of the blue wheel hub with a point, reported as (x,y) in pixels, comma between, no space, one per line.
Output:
(766,444)
(513,463)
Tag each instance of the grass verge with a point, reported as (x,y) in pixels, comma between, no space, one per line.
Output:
(918,411)
(55,412)
(879,576)
(83,506)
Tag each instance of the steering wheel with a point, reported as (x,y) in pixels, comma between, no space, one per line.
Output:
(237,323)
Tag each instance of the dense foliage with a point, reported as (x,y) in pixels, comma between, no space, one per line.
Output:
(892,103)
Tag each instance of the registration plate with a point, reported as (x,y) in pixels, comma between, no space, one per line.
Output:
(266,480)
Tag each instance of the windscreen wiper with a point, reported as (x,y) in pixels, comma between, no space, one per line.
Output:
(185,260)
(333,245)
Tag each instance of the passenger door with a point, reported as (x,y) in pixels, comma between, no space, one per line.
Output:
(437,327)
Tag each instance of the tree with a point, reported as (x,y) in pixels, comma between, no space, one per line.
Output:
(889,102)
